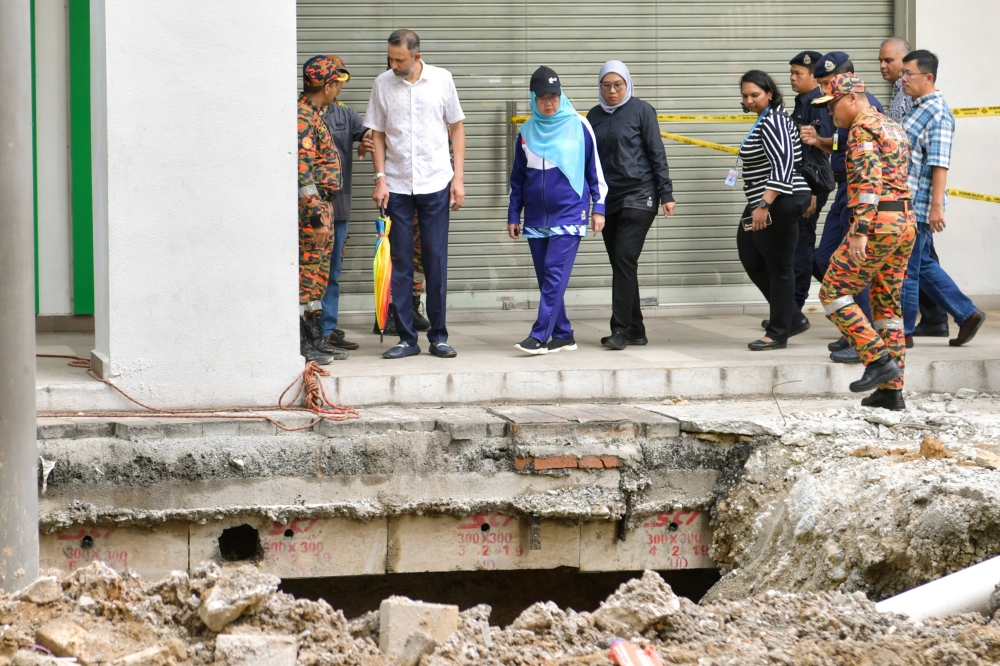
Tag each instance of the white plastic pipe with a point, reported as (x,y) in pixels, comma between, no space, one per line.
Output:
(964,591)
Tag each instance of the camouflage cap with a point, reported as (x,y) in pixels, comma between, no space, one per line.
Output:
(839,86)
(321,70)
(341,67)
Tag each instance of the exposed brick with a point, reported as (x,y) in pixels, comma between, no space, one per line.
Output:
(557,462)
(611,461)
(521,463)
(591,462)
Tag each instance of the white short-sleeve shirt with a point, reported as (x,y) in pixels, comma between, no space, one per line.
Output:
(415,118)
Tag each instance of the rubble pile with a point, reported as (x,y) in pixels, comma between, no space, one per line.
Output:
(100,617)
(855,499)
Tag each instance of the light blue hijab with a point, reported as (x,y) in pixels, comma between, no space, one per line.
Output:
(559,139)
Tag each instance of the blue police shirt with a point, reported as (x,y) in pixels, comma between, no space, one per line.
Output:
(838,159)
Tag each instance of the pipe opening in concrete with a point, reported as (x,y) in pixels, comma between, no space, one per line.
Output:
(673,527)
(485,527)
(238,544)
(87,542)
(289,533)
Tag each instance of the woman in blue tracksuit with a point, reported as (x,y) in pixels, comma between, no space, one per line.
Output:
(555,180)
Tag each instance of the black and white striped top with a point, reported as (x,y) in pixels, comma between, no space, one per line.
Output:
(769,156)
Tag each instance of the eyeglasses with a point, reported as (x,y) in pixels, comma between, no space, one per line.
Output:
(906,74)
(833,102)
(617,85)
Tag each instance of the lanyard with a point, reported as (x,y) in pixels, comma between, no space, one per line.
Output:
(759,118)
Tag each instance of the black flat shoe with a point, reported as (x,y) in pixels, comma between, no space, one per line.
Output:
(801,327)
(923,329)
(761,345)
(891,399)
(441,350)
(839,345)
(616,341)
(845,356)
(637,341)
(881,370)
(402,350)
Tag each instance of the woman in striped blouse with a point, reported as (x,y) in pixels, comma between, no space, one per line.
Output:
(777,195)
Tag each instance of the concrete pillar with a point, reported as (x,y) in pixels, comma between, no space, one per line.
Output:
(195,196)
(55,233)
(18,453)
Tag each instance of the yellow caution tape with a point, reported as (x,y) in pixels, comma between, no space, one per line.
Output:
(974,111)
(974,195)
(698,142)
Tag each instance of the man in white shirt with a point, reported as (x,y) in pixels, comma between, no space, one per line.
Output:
(411,108)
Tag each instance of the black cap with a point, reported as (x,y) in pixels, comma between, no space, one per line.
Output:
(829,63)
(545,81)
(806,59)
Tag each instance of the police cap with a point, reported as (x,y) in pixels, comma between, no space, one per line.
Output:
(830,62)
(806,59)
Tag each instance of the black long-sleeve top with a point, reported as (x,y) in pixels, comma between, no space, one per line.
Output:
(632,156)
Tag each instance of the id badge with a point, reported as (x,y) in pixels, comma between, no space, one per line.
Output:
(731,178)
(836,140)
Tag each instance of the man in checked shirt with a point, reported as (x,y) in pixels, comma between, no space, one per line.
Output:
(878,245)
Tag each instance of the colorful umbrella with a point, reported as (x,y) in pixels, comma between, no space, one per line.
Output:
(382,267)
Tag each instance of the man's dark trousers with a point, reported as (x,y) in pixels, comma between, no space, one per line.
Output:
(805,251)
(931,313)
(432,210)
(838,223)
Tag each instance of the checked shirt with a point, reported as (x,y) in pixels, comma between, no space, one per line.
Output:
(930,127)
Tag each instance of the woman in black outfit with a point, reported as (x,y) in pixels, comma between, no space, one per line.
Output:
(777,195)
(635,167)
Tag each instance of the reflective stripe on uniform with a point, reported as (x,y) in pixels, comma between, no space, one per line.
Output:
(838,303)
(879,324)
(313,306)
(868,199)
(307,190)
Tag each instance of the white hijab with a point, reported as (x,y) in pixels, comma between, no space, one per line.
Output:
(619,68)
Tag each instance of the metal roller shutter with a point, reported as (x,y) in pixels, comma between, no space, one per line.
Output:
(685,57)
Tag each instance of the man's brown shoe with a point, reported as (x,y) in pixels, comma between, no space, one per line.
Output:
(968,329)
(340,343)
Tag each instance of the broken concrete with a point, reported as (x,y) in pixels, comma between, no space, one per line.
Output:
(400,618)
(233,596)
(68,639)
(44,590)
(255,650)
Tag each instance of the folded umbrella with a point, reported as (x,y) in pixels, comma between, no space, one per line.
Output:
(382,268)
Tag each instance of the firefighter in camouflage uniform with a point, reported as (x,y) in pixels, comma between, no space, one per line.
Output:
(320,180)
(877,249)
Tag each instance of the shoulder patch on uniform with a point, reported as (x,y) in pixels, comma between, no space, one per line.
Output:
(307,143)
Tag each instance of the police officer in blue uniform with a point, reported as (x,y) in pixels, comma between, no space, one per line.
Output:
(838,220)
(817,118)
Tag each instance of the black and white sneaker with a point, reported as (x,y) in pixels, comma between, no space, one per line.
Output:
(532,346)
(561,344)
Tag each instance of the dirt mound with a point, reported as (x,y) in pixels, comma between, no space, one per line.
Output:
(864,500)
(162,623)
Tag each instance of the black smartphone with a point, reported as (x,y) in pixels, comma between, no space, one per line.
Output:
(747,222)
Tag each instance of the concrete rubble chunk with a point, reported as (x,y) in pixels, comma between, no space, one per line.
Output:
(44,590)
(637,605)
(987,459)
(66,638)
(158,655)
(256,650)
(32,658)
(400,618)
(417,645)
(933,448)
(236,593)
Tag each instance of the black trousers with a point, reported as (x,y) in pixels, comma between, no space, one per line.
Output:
(624,235)
(805,252)
(768,257)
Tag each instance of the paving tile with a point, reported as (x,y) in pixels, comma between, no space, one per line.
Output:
(465,422)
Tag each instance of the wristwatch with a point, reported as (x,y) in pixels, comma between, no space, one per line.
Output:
(379,175)
(763,204)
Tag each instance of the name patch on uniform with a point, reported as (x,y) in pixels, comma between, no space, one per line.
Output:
(867,146)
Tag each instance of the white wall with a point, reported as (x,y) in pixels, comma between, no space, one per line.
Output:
(195,198)
(962,33)
(55,262)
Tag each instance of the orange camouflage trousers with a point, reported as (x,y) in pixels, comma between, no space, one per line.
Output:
(884,268)
(314,265)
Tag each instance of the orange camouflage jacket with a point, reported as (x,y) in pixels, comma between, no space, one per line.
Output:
(320,175)
(878,159)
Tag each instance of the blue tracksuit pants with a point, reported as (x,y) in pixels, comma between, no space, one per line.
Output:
(553,258)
